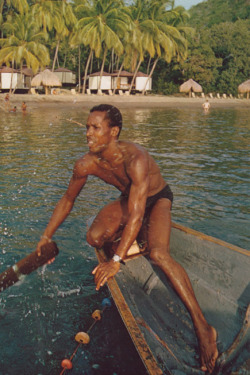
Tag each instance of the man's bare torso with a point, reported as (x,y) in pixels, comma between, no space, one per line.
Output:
(117,170)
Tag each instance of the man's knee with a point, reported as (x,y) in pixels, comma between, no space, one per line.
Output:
(94,238)
(158,256)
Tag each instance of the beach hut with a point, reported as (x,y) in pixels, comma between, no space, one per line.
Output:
(66,76)
(27,77)
(121,80)
(10,78)
(46,79)
(244,88)
(94,80)
(143,80)
(190,86)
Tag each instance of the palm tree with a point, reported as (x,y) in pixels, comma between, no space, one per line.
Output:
(140,37)
(63,25)
(101,29)
(170,33)
(46,13)
(156,31)
(23,43)
(20,5)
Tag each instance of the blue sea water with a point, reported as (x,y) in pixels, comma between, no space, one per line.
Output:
(204,158)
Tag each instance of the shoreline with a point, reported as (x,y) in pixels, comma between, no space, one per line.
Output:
(122,101)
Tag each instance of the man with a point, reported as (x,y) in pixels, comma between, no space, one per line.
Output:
(24,107)
(144,206)
(206,105)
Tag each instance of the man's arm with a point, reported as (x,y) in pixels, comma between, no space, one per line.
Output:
(64,206)
(138,172)
(138,194)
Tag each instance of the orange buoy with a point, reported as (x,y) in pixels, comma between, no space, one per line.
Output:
(67,364)
(82,337)
(97,315)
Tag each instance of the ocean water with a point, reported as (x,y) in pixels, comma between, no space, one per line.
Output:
(204,158)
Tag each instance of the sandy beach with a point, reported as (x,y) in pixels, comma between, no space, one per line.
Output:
(125,101)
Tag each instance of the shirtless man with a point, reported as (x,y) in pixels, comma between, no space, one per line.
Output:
(24,107)
(145,196)
(206,106)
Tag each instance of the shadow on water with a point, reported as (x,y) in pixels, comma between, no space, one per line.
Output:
(203,157)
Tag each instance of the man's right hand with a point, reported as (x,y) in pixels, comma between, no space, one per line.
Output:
(43,241)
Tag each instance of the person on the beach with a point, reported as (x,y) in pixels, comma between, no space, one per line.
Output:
(7,101)
(12,109)
(206,105)
(24,107)
(144,207)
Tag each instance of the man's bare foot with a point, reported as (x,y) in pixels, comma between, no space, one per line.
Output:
(208,349)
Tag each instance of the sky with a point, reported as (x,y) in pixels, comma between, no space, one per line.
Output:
(187,3)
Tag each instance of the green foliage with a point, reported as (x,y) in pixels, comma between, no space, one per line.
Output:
(212,46)
(211,12)
(218,56)
(24,42)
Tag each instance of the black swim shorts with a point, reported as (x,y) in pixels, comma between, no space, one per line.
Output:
(164,193)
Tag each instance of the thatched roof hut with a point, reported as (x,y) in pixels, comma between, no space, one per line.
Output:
(190,86)
(244,88)
(46,79)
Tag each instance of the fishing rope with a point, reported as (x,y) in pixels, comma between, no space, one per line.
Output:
(83,337)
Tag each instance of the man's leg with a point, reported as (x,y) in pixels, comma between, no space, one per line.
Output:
(159,227)
(108,223)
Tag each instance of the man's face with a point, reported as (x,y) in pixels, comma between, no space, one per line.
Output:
(99,133)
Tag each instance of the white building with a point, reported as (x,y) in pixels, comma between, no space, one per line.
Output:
(10,78)
(122,81)
(66,76)
(94,80)
(141,81)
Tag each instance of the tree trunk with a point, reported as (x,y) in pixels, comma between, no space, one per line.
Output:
(148,67)
(79,69)
(150,75)
(102,68)
(133,80)
(91,65)
(112,60)
(86,71)
(118,77)
(56,54)
(11,77)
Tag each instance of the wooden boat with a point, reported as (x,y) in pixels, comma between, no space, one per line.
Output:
(158,322)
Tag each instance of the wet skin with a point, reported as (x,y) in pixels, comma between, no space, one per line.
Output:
(130,168)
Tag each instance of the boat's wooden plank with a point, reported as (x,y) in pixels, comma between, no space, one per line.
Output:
(211,239)
(214,267)
(141,345)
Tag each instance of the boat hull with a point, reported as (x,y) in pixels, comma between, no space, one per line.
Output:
(219,273)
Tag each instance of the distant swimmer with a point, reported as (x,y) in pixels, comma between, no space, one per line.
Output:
(206,106)
(7,101)
(24,107)
(12,109)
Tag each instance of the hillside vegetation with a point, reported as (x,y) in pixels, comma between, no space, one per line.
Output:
(219,51)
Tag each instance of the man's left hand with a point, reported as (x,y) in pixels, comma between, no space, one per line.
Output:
(104,271)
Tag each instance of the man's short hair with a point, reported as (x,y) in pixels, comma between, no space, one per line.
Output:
(112,113)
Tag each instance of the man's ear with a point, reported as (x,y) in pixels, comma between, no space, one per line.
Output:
(115,131)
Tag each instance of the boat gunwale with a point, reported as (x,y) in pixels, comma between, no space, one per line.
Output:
(206,237)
